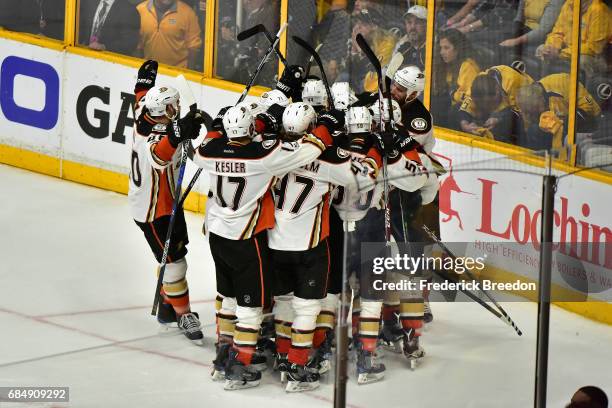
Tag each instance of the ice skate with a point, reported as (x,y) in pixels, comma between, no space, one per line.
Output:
(390,337)
(321,360)
(412,350)
(166,316)
(190,325)
(368,369)
(218,373)
(428,316)
(281,364)
(301,378)
(238,376)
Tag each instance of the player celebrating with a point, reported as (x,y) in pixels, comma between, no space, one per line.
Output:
(152,190)
(239,213)
(301,261)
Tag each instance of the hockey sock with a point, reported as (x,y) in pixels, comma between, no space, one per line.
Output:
(247,332)
(411,314)
(369,324)
(389,312)
(302,330)
(226,319)
(175,289)
(283,319)
(326,319)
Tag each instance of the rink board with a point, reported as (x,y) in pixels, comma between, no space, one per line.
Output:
(70,116)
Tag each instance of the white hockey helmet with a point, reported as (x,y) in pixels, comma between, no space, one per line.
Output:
(343,95)
(397,111)
(358,119)
(314,93)
(411,78)
(238,122)
(298,118)
(274,96)
(159,98)
(254,107)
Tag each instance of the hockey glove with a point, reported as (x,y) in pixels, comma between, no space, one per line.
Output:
(269,123)
(147,73)
(217,123)
(404,142)
(145,123)
(186,128)
(291,81)
(332,119)
(384,142)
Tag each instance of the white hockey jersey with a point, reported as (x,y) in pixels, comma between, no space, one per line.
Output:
(153,172)
(303,198)
(242,176)
(404,171)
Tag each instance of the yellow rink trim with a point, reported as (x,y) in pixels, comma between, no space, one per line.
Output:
(80,173)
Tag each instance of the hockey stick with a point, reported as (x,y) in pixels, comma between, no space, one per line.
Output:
(506,318)
(472,296)
(363,44)
(262,63)
(315,55)
(244,93)
(260,28)
(310,61)
(175,207)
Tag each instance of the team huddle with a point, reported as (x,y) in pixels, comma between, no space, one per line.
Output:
(292,175)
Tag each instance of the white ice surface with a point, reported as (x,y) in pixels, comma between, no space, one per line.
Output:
(76,284)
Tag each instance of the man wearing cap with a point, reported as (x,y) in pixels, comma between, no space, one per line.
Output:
(412,44)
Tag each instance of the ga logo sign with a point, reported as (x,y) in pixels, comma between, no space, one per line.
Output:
(47,117)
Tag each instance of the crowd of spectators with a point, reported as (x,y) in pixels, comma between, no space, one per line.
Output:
(500,67)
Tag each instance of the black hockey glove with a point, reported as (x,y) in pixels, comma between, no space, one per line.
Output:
(404,142)
(384,142)
(271,120)
(147,73)
(188,128)
(332,119)
(217,123)
(145,123)
(291,81)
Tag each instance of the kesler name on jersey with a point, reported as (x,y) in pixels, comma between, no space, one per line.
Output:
(229,167)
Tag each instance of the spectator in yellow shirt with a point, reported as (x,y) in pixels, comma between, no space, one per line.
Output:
(595,32)
(169,32)
(454,71)
(544,106)
(490,109)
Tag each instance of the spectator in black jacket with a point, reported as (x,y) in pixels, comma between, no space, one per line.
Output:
(109,25)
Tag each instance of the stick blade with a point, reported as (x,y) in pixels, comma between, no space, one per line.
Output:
(186,93)
(396,61)
(249,32)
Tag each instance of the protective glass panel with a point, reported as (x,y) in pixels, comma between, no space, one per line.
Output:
(45,18)
(491,70)
(593,105)
(237,60)
(408,297)
(169,31)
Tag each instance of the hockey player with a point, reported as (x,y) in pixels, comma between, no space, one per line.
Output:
(407,85)
(239,213)
(298,241)
(152,190)
(405,170)
(314,93)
